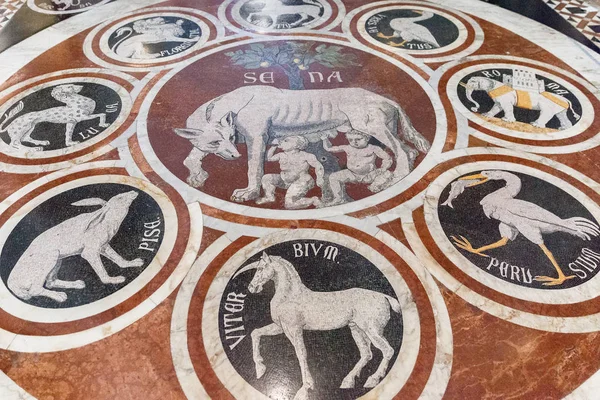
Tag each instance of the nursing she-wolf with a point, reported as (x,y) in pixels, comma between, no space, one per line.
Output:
(261,114)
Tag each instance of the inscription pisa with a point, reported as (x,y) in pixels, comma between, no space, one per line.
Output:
(352,321)
(81,245)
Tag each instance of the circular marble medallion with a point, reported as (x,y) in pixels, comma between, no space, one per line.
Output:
(521,101)
(307,313)
(291,128)
(278,16)
(62,116)
(517,230)
(83,247)
(154,38)
(63,6)
(413,29)
(345,301)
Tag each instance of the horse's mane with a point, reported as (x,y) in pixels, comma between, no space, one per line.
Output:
(287,266)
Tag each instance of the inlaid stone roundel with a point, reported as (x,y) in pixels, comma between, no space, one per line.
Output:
(81,245)
(521,229)
(316,294)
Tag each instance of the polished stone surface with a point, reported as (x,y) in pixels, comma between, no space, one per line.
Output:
(303,199)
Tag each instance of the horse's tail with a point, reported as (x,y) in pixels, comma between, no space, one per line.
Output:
(395,304)
(10,115)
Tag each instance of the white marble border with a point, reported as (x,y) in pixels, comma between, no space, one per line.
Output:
(192,194)
(583,292)
(462,30)
(190,383)
(583,324)
(9,390)
(25,311)
(44,344)
(36,8)
(477,41)
(28,169)
(222,13)
(183,11)
(235,14)
(30,153)
(409,349)
(202,39)
(587,113)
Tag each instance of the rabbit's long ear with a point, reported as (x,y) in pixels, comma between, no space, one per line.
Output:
(94,201)
(96,218)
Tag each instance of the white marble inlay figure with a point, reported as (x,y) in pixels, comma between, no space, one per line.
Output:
(295,308)
(276,8)
(87,235)
(521,217)
(294,164)
(506,99)
(360,166)
(148,31)
(78,108)
(408,30)
(260,114)
(66,3)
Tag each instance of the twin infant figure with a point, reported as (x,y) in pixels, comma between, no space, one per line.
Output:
(295,164)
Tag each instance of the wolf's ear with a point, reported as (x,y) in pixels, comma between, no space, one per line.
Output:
(228,119)
(188,133)
(94,201)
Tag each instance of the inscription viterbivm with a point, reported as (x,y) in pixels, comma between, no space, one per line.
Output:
(60,116)
(521,229)
(339,295)
(415,30)
(82,245)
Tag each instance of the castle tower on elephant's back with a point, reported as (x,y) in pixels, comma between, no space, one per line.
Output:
(522,79)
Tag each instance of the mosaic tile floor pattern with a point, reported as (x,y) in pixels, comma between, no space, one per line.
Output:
(8,8)
(583,15)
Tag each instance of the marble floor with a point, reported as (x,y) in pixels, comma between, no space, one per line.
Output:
(297,199)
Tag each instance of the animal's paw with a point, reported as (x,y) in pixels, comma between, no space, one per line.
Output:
(509,120)
(372,381)
(59,297)
(71,143)
(260,369)
(247,194)
(475,109)
(79,284)
(347,383)
(196,181)
(105,125)
(138,262)
(114,280)
(537,125)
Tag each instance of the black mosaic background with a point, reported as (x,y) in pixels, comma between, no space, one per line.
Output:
(144,209)
(55,133)
(521,114)
(467,219)
(331,354)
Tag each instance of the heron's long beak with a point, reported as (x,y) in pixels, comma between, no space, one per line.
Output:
(482,178)
(248,267)
(463,84)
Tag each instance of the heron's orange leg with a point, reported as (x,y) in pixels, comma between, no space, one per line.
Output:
(381,35)
(394,44)
(464,244)
(549,280)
